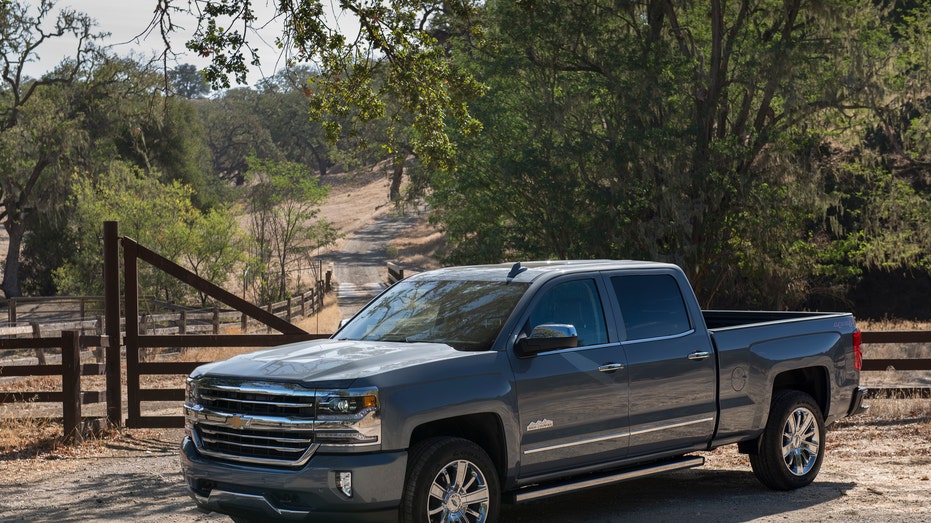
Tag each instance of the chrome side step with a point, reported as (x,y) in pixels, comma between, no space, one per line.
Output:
(550,489)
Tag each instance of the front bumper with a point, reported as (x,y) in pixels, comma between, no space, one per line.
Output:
(306,494)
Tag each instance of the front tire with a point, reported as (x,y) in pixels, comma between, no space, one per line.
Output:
(450,480)
(791,447)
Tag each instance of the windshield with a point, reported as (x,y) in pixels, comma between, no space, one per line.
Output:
(467,315)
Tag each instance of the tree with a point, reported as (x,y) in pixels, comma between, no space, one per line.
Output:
(156,214)
(651,130)
(282,105)
(213,247)
(284,203)
(234,132)
(187,82)
(395,35)
(35,135)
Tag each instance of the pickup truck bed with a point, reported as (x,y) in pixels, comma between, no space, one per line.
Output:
(754,348)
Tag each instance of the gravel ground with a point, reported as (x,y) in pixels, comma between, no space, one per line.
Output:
(875,470)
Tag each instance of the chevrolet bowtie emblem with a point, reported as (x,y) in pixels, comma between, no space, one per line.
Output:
(238,422)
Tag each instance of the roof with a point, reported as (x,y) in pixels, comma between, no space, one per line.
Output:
(530,271)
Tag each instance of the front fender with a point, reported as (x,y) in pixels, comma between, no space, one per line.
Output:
(477,384)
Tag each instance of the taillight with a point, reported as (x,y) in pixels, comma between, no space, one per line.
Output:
(857,350)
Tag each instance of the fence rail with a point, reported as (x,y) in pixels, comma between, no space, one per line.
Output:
(72,397)
(70,369)
(190,321)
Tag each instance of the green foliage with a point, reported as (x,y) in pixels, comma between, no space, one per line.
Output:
(157,215)
(234,132)
(395,42)
(284,230)
(187,82)
(649,130)
(39,131)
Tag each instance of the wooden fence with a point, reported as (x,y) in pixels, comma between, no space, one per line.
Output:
(70,369)
(897,364)
(72,396)
(180,321)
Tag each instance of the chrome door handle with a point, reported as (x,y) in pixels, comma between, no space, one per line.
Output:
(699,355)
(611,367)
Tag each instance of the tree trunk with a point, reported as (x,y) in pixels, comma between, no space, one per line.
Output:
(394,191)
(321,161)
(16,229)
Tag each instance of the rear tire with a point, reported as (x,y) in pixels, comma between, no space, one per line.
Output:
(450,480)
(791,447)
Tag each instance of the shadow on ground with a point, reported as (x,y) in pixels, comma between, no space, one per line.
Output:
(693,495)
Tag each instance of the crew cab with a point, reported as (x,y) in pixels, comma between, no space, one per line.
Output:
(460,389)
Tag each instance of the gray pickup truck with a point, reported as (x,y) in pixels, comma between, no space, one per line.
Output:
(460,389)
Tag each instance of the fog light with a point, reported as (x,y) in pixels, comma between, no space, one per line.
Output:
(344,483)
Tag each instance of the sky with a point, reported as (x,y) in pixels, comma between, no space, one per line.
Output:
(127,21)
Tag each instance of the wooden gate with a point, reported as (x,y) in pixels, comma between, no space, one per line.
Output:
(134,341)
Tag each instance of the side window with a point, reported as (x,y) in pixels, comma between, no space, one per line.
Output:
(651,305)
(574,303)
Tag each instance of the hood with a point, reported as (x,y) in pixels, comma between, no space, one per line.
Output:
(328,360)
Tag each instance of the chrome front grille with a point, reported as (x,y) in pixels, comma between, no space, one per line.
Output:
(255,444)
(258,404)
(260,423)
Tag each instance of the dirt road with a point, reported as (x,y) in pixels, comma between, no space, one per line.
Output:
(360,265)
(874,471)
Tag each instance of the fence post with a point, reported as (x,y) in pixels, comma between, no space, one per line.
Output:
(131,297)
(37,333)
(268,328)
(12,312)
(288,317)
(216,320)
(98,330)
(182,323)
(111,305)
(71,384)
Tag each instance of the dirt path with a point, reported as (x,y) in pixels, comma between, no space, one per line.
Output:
(874,471)
(359,265)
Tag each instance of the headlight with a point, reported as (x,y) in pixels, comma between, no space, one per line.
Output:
(342,405)
(190,392)
(190,401)
(348,417)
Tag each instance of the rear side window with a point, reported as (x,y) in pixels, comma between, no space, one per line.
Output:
(651,305)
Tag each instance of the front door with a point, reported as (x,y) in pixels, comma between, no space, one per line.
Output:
(572,402)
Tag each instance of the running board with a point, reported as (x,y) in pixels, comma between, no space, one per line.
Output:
(542,491)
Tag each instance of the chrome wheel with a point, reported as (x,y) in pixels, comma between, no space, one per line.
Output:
(450,480)
(459,493)
(801,442)
(790,450)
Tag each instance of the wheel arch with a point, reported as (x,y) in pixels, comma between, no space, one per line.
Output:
(813,381)
(484,429)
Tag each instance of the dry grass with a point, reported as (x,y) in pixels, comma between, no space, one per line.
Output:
(899,408)
(27,437)
(421,246)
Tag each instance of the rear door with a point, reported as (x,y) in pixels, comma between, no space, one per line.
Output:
(572,402)
(671,365)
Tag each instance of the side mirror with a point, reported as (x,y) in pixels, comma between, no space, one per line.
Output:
(343,322)
(547,337)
